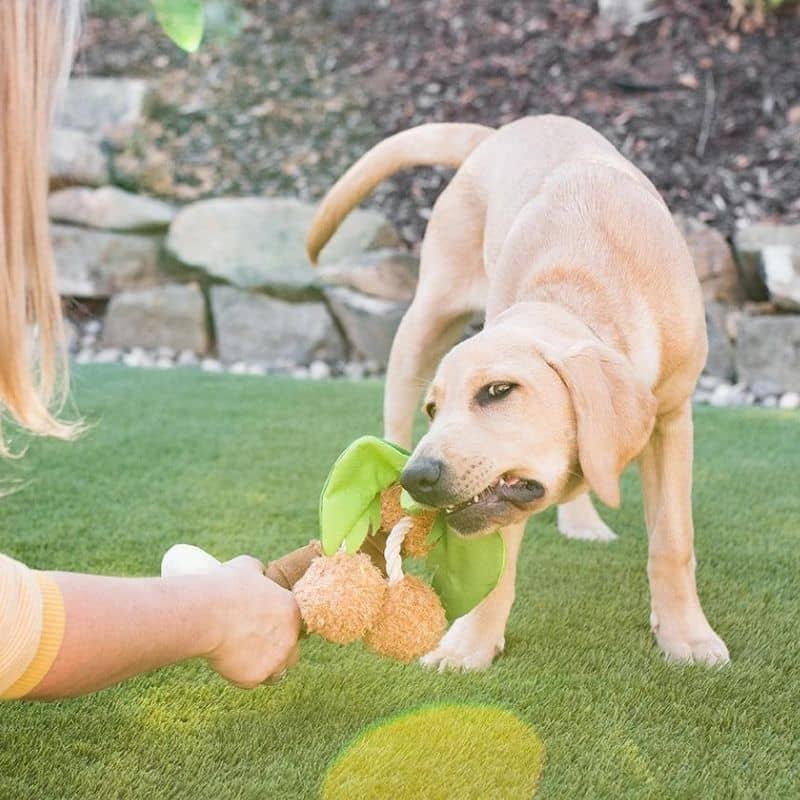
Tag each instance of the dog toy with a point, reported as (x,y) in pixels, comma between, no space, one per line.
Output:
(350,585)
(345,597)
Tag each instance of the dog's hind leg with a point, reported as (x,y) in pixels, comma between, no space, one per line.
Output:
(451,288)
(578,519)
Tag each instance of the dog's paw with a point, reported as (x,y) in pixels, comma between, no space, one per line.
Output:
(464,648)
(596,532)
(698,646)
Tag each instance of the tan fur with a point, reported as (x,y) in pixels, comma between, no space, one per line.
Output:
(432,144)
(594,313)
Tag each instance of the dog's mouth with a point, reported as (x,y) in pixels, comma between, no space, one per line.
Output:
(506,491)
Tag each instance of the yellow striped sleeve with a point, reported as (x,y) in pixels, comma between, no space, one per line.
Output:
(31,627)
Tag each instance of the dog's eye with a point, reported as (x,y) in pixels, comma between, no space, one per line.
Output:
(494,391)
(430,410)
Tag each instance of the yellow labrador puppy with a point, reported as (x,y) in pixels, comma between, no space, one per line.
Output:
(593,342)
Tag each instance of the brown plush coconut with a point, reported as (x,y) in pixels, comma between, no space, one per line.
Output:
(410,623)
(415,543)
(411,620)
(340,596)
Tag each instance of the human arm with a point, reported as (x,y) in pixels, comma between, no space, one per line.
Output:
(243,624)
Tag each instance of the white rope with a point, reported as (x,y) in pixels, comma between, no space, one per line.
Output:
(394,563)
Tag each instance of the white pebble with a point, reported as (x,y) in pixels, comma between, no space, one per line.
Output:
(211,365)
(353,370)
(709,382)
(790,401)
(109,355)
(93,327)
(770,402)
(162,362)
(319,370)
(721,395)
(301,373)
(132,359)
(187,358)
(84,357)
(256,369)
(239,368)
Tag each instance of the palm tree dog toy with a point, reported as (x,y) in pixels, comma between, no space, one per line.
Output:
(350,585)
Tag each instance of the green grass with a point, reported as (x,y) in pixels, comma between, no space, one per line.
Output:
(236,464)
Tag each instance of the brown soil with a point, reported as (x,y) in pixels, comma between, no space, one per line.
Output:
(286,103)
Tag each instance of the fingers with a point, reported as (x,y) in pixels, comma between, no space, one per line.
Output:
(247,563)
(280,672)
(261,626)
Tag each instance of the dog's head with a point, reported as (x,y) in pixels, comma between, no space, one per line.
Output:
(519,423)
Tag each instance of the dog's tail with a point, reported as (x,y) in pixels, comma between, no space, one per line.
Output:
(443,143)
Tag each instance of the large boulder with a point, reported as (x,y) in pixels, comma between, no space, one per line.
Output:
(164,316)
(748,245)
(253,327)
(387,274)
(713,260)
(780,266)
(109,208)
(258,243)
(97,264)
(77,157)
(101,105)
(768,349)
(368,322)
(720,362)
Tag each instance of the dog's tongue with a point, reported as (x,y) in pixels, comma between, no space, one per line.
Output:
(520,491)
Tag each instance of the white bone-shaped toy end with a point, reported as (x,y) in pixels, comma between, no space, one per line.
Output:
(186,559)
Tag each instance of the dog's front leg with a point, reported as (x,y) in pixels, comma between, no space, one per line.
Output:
(473,641)
(677,619)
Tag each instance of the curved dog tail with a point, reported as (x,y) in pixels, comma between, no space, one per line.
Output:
(442,143)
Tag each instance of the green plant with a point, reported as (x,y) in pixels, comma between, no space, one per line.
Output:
(182,21)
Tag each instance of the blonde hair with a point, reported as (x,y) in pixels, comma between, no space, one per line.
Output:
(36,44)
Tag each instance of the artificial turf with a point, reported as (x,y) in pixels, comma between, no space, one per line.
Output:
(235,464)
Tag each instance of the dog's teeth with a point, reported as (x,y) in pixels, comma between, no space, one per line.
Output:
(449,509)
(476,498)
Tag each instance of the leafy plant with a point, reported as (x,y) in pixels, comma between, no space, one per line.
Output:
(182,20)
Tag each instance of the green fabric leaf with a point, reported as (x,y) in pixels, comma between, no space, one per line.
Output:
(349,507)
(182,21)
(465,570)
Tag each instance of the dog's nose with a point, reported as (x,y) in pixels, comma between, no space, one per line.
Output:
(420,477)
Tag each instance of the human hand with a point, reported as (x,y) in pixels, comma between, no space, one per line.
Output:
(257,624)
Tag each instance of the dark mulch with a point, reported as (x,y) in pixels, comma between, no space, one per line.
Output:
(285,104)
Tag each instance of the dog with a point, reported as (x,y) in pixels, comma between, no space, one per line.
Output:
(593,342)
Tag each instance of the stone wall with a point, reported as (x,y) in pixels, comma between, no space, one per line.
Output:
(225,283)
(752,293)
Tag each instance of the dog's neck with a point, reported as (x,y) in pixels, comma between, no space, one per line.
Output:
(557,322)
(571,296)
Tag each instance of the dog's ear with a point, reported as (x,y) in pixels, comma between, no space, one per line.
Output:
(614,412)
